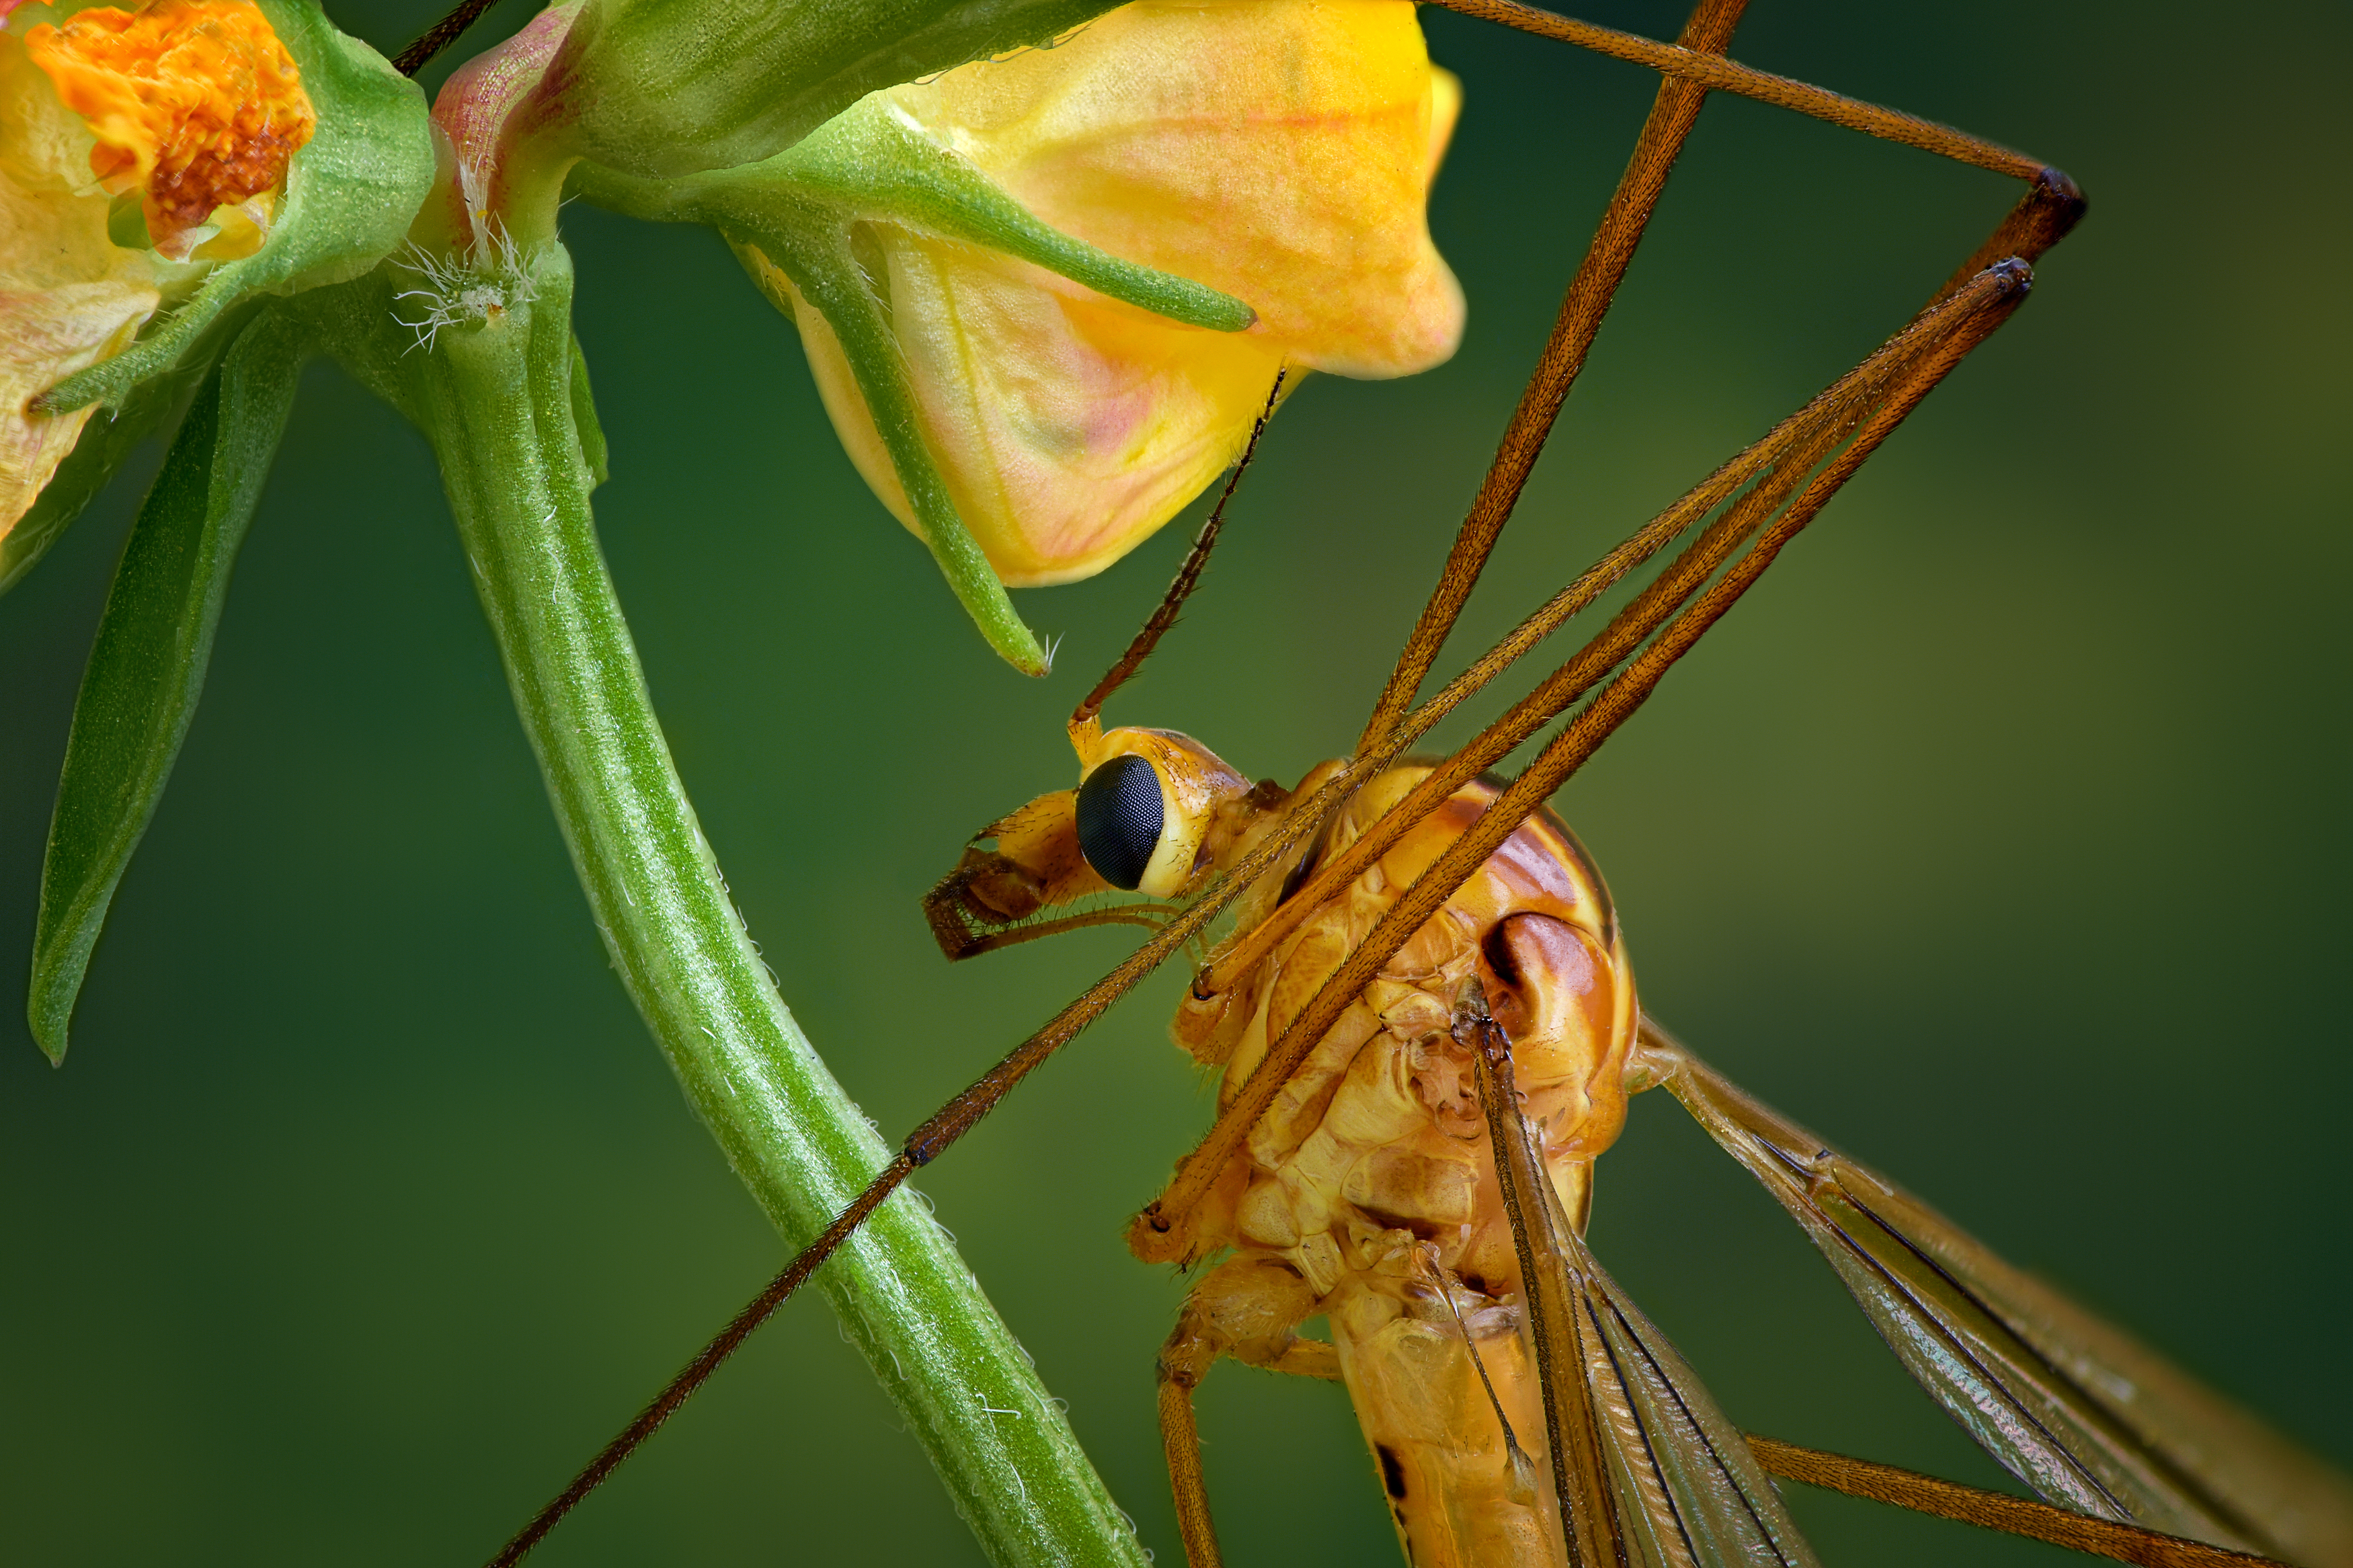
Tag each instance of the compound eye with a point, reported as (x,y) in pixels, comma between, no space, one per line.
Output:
(1121,813)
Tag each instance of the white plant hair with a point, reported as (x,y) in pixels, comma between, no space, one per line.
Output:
(465,291)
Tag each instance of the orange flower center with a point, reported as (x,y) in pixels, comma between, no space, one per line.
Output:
(194,103)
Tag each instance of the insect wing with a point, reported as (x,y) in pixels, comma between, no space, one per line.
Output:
(1680,1487)
(1688,1490)
(2076,1408)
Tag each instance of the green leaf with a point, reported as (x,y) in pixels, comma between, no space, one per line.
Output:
(153,644)
(350,193)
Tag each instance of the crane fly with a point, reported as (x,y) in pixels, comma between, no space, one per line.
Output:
(1429,1030)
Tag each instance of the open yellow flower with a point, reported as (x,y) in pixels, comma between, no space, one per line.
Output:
(1279,150)
(190,106)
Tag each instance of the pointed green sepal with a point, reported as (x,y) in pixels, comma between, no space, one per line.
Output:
(350,193)
(877,163)
(105,444)
(836,287)
(583,416)
(153,643)
(800,212)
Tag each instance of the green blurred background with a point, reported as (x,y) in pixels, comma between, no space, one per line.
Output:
(1999,836)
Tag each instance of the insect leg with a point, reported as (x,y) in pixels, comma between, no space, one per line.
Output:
(1991,1511)
(1691,66)
(440,36)
(1774,467)
(1714,72)
(1672,113)
(1247,1309)
(681,1388)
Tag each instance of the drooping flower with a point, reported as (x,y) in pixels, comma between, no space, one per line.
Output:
(137,149)
(1277,151)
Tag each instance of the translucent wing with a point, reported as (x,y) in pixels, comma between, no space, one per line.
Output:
(2078,1410)
(1646,1467)
(1688,1490)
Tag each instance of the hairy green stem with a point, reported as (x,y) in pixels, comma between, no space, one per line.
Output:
(497,402)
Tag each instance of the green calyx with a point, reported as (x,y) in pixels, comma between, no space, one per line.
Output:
(350,193)
(673,87)
(802,213)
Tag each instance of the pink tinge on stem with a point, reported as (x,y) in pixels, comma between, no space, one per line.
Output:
(488,105)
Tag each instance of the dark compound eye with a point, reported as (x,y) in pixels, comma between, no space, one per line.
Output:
(1120,816)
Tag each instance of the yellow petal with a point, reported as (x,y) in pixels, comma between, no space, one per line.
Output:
(1067,427)
(1277,150)
(1445,109)
(44,335)
(69,296)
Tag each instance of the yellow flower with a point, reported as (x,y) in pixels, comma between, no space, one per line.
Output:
(1279,150)
(194,104)
(191,106)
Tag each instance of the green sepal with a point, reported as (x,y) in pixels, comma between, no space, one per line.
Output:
(871,163)
(832,281)
(584,417)
(107,440)
(350,193)
(671,87)
(802,211)
(153,643)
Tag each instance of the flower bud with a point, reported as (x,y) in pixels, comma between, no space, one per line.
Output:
(1279,150)
(1045,296)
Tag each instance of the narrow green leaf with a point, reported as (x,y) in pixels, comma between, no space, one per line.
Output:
(153,643)
(350,193)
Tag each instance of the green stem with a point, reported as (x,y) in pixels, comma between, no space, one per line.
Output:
(496,401)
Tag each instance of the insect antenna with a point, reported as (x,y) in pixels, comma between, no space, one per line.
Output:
(1188,577)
